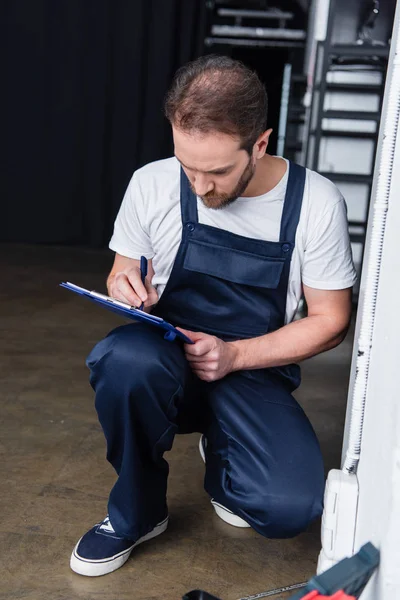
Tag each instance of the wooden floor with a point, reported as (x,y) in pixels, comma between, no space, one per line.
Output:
(55,480)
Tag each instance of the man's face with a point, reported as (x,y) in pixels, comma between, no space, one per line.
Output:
(218,170)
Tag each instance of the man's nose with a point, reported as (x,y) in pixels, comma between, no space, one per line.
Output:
(202,185)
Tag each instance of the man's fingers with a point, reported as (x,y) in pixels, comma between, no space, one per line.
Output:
(206,375)
(211,355)
(203,342)
(203,358)
(119,296)
(152,296)
(123,286)
(134,280)
(194,335)
(200,366)
(114,292)
(199,348)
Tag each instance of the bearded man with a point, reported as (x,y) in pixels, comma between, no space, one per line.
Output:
(234,238)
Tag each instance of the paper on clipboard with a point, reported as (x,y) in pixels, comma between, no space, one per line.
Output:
(125,310)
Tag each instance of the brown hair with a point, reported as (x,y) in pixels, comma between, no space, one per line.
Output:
(217,93)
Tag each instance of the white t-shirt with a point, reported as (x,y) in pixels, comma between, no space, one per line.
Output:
(149,224)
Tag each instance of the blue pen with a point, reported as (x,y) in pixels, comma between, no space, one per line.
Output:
(143,273)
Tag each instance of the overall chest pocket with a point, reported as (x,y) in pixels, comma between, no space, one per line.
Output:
(236,266)
(234,294)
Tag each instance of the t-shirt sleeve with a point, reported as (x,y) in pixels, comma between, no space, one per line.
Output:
(130,237)
(328,262)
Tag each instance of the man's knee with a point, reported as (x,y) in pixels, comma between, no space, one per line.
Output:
(125,355)
(135,371)
(284,516)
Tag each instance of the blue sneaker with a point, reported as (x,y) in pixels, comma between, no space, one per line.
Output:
(101,551)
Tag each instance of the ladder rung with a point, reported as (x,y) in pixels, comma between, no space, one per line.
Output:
(351,114)
(347,177)
(367,135)
(354,87)
(358,50)
(357,224)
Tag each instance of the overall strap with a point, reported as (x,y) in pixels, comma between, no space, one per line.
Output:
(293,202)
(188,201)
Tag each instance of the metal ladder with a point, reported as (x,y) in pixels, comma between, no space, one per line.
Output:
(324,123)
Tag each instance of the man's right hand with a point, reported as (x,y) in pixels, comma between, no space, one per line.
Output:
(124,283)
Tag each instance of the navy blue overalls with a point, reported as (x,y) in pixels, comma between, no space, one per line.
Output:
(263,461)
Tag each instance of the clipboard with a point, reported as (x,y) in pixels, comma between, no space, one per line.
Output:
(125,310)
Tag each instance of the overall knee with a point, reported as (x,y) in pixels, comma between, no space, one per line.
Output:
(284,516)
(123,360)
(135,373)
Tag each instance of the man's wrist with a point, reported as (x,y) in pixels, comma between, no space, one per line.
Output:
(250,353)
(237,359)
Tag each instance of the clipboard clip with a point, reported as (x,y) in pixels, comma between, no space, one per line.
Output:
(170,336)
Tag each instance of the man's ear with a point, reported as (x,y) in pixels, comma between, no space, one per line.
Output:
(261,145)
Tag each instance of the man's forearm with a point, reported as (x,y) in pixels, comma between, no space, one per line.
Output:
(292,343)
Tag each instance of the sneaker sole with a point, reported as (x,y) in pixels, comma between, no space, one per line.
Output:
(201,449)
(223,513)
(228,516)
(96,568)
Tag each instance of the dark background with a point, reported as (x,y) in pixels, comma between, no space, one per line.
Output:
(81,103)
(82,93)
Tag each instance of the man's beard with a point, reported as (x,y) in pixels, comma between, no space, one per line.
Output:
(217,201)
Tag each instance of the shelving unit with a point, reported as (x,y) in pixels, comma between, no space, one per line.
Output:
(251,27)
(270,40)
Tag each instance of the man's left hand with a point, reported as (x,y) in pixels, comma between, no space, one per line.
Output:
(209,357)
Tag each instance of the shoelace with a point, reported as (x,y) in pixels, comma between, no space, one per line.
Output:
(106,525)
